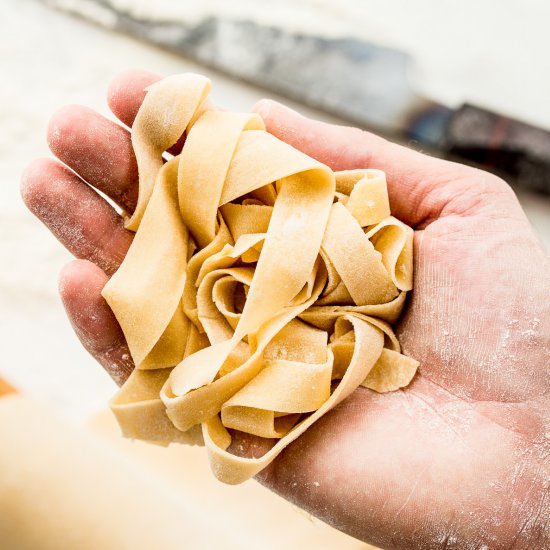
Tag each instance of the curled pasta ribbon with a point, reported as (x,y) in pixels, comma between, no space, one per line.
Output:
(260,287)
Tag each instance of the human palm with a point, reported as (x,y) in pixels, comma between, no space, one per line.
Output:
(457,459)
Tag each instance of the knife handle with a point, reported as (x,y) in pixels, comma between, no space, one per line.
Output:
(502,144)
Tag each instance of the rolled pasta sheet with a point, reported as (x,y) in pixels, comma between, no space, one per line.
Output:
(61,488)
(260,288)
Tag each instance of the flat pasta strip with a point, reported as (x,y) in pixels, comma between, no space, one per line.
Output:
(366,278)
(260,288)
(394,240)
(391,372)
(368,194)
(168,110)
(154,293)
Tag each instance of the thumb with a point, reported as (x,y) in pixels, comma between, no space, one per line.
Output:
(421,188)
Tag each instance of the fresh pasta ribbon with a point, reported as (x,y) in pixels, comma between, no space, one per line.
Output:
(260,288)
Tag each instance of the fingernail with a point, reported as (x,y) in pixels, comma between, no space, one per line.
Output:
(263,108)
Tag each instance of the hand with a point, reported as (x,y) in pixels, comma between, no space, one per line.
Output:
(459,459)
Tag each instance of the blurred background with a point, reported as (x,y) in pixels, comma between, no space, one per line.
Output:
(405,69)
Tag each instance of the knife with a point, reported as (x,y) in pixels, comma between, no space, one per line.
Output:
(364,83)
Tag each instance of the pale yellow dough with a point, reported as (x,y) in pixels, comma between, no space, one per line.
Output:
(260,288)
(63,489)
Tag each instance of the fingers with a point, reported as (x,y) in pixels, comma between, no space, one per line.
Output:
(100,151)
(82,221)
(97,149)
(127,92)
(421,188)
(80,285)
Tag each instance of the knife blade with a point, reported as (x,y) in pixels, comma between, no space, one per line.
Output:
(361,82)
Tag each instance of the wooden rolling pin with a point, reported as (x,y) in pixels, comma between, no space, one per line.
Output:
(60,487)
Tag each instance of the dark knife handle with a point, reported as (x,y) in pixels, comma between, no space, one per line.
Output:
(505,145)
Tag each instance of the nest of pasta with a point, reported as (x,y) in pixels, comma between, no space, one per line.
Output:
(260,288)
